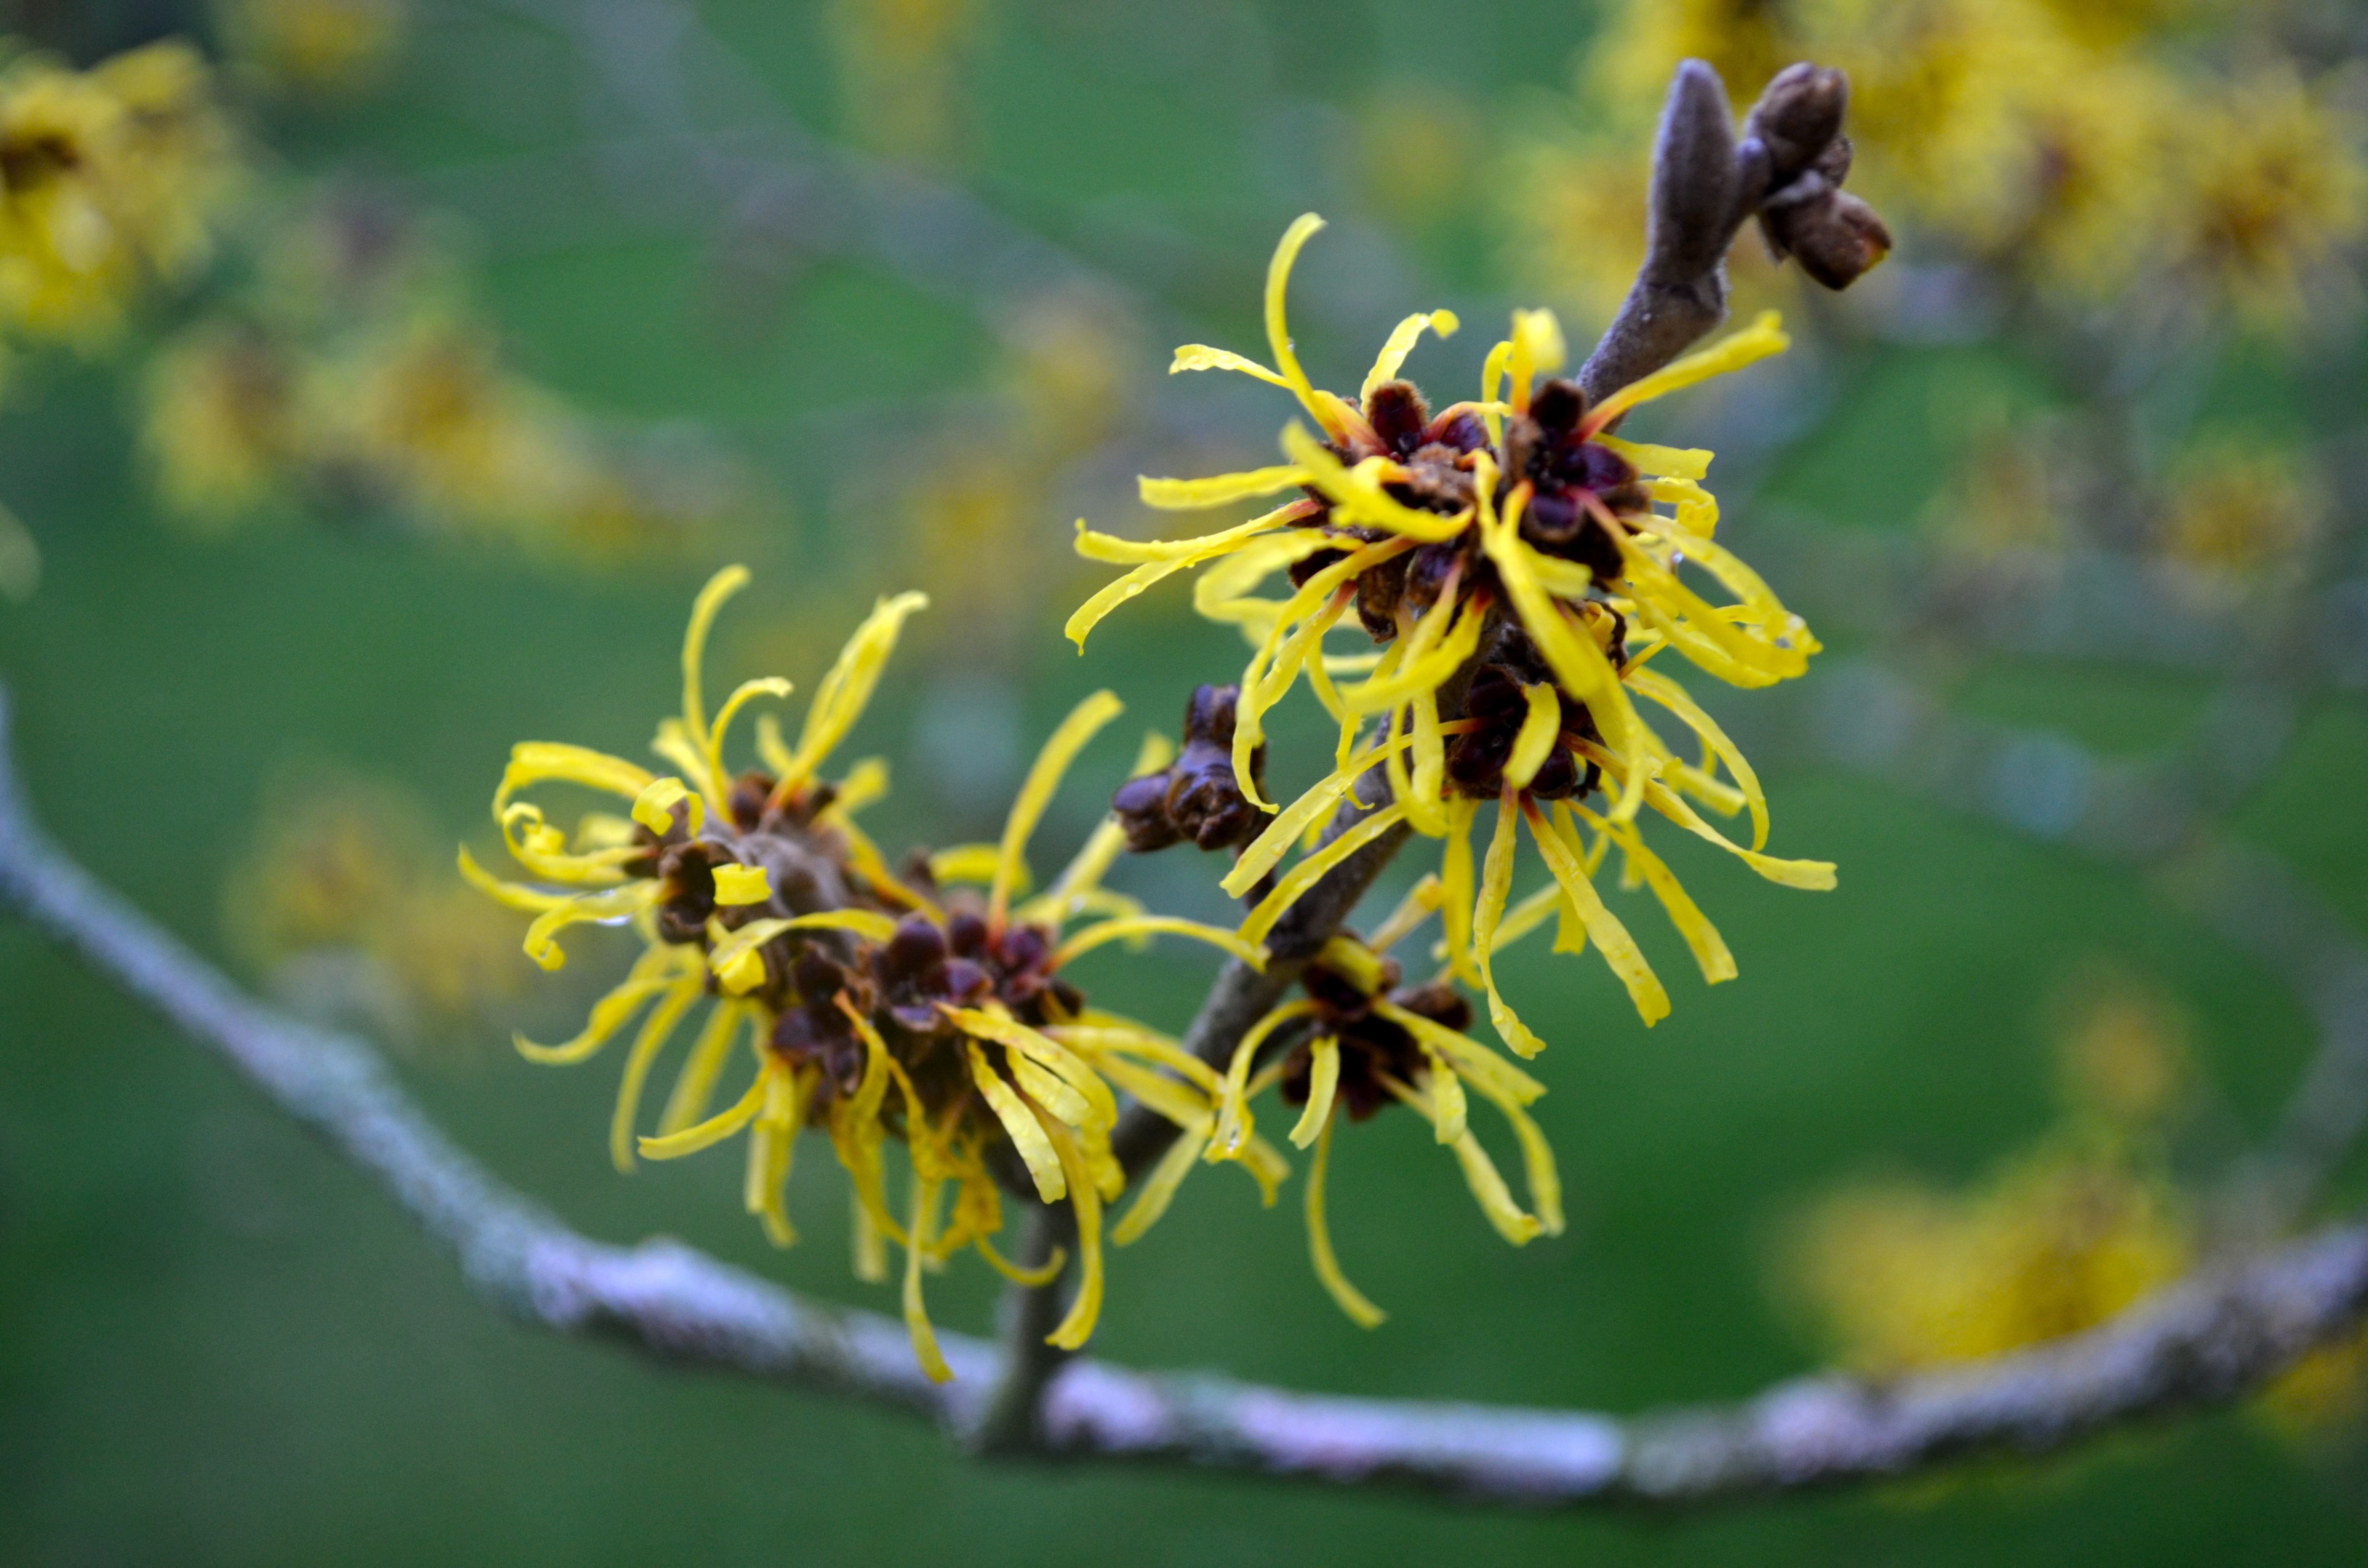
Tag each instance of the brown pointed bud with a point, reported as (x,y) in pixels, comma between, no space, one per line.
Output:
(1693,178)
(1834,163)
(1197,795)
(1836,237)
(1797,117)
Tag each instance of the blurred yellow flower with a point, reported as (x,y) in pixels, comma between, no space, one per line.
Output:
(220,433)
(108,177)
(2123,1050)
(900,72)
(2006,495)
(2326,1390)
(319,45)
(1905,1277)
(2071,145)
(2240,505)
(2273,183)
(356,373)
(349,865)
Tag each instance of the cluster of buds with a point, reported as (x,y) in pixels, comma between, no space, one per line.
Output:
(1196,797)
(1796,128)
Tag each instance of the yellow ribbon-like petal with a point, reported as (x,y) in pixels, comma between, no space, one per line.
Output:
(1351,1300)
(1764,336)
(1154,925)
(1401,343)
(1044,776)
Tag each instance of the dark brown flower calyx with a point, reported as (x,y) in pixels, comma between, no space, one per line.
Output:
(1496,705)
(1577,483)
(1372,1049)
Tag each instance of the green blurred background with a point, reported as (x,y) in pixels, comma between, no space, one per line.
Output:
(218,1345)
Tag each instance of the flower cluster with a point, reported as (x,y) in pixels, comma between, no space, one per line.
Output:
(344,899)
(314,46)
(1507,555)
(355,372)
(1358,1038)
(928,1005)
(2056,141)
(2060,1237)
(109,178)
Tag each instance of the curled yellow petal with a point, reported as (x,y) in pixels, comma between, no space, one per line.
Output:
(1671,462)
(1160,566)
(1191,494)
(1308,872)
(1093,937)
(1313,806)
(720,587)
(713,1131)
(992,1023)
(1074,1329)
(656,1030)
(516,895)
(735,958)
(1201,357)
(1158,1188)
(963,863)
(1351,1300)
(1401,343)
(1660,688)
(737,885)
(653,807)
(1496,885)
(655,972)
(1611,937)
(1537,350)
(742,694)
(614,904)
(696,1082)
(1764,336)
(1084,720)
(772,1150)
(1027,1133)
(1323,1079)
(1484,1068)
(1033,1279)
(846,689)
(1233,1119)
(1421,901)
(537,761)
(1702,938)
(917,1315)
(1277,329)
(1541,728)
(1813,876)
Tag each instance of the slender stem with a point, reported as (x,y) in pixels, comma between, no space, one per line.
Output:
(1012,1420)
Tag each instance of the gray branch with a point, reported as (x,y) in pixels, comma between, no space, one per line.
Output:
(2208,1342)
